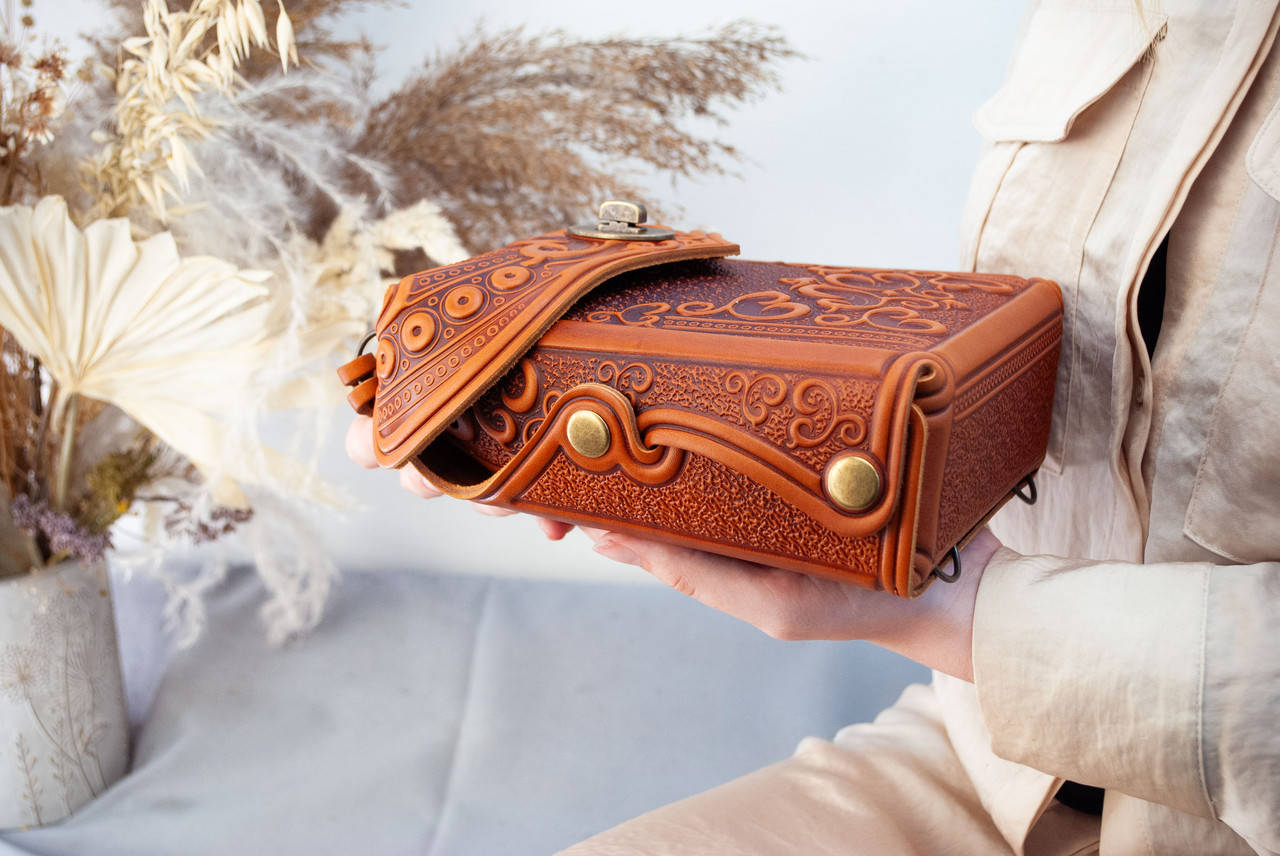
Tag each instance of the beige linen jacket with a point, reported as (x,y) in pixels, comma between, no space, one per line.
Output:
(1129,637)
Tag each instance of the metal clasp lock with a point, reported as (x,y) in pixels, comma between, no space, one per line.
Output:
(620,221)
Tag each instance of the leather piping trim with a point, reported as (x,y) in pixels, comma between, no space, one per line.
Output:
(901,577)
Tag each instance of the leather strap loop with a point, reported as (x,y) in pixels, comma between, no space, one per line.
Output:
(356,371)
(361,398)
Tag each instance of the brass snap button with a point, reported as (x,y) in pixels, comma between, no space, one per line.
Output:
(588,434)
(852,482)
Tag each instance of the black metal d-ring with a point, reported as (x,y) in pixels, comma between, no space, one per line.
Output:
(954,554)
(1030,484)
(369,337)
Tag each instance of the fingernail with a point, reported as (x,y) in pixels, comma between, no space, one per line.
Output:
(611,549)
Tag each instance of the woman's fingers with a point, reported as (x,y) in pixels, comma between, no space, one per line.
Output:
(360,442)
(412,481)
(555,530)
(784,604)
(491,510)
(359,445)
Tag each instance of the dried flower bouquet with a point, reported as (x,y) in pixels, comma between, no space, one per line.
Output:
(124,360)
(200,218)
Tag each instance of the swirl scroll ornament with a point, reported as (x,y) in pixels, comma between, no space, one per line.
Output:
(521,393)
(632,380)
(814,408)
(639,315)
(758,395)
(520,396)
(502,428)
(889,300)
(908,309)
(767,306)
(816,403)
(549,399)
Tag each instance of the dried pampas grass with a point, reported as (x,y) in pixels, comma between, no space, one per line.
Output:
(516,133)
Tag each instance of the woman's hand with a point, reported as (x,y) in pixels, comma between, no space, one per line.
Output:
(935,629)
(360,449)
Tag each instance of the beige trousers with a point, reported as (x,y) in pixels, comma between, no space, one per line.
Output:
(891,786)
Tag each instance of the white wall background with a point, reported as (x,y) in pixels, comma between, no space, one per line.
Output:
(863,158)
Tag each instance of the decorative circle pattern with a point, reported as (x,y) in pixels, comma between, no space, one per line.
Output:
(510,277)
(419,331)
(463,302)
(386,359)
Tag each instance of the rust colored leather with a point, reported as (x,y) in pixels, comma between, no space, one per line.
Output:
(357,370)
(728,388)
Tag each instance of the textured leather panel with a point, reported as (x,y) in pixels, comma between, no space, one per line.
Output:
(727,389)
(706,502)
(996,412)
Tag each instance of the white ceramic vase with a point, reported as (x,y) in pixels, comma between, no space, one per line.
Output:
(64,732)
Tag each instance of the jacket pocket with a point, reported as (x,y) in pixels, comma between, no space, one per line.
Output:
(1048,86)
(1234,508)
(1057,129)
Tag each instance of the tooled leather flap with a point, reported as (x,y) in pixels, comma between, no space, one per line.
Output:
(446,335)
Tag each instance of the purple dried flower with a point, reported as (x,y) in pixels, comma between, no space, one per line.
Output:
(220,520)
(63,533)
(26,514)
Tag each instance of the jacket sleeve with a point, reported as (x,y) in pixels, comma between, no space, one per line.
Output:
(1161,681)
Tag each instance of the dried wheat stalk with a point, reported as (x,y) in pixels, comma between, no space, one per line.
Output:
(157,79)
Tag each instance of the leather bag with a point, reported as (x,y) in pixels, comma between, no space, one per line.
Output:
(852,423)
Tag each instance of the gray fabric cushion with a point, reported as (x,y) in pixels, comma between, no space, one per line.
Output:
(451,715)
